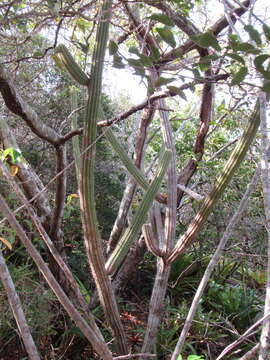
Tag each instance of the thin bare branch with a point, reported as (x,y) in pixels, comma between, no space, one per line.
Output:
(250,355)
(16,307)
(190,192)
(97,342)
(265,340)
(213,262)
(243,337)
(130,356)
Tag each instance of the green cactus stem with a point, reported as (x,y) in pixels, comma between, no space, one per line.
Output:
(139,219)
(75,139)
(64,59)
(128,163)
(92,238)
(231,166)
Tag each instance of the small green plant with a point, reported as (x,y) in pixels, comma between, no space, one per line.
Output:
(238,304)
(192,357)
(12,154)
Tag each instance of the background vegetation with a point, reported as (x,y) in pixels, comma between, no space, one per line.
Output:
(134,222)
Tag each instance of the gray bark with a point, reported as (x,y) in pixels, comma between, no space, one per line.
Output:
(16,307)
(265,334)
(97,342)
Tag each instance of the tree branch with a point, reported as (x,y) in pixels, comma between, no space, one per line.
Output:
(16,307)
(216,29)
(18,106)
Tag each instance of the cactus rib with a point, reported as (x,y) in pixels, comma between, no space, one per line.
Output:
(75,140)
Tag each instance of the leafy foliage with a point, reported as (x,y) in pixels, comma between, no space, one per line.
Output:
(147,40)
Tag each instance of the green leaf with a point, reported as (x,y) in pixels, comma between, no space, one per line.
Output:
(82,24)
(162,18)
(179,357)
(155,54)
(253,34)
(136,63)
(206,40)
(266,30)
(163,81)
(195,357)
(204,65)
(212,57)
(197,75)
(236,57)
(233,38)
(140,71)
(205,62)
(176,90)
(167,36)
(266,74)
(246,47)
(134,50)
(266,87)
(259,60)
(146,60)
(221,107)
(240,75)
(14,154)
(113,47)
(192,87)
(117,62)
(38,53)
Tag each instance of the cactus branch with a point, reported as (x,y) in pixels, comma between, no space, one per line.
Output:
(92,238)
(75,139)
(131,233)
(231,166)
(64,59)
(133,170)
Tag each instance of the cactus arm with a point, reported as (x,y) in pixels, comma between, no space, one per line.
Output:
(149,238)
(231,166)
(92,238)
(128,163)
(75,139)
(64,59)
(139,219)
